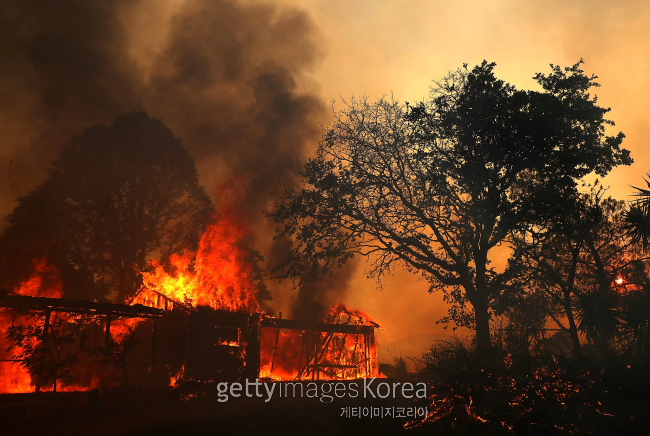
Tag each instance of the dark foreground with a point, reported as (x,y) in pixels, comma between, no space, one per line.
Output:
(163,412)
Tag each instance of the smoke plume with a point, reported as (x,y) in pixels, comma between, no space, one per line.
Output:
(229,78)
(315,297)
(225,78)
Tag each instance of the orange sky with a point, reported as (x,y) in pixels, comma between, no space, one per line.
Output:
(380,47)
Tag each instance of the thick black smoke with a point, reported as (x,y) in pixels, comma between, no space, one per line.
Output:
(63,66)
(315,297)
(227,77)
(224,79)
(227,84)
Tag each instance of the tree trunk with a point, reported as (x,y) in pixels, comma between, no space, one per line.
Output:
(481,305)
(126,284)
(573,330)
(568,291)
(482,320)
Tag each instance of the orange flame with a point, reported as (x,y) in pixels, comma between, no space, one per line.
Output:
(43,282)
(321,355)
(221,277)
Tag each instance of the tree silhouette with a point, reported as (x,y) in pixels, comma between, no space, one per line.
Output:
(48,355)
(637,217)
(437,186)
(573,257)
(115,197)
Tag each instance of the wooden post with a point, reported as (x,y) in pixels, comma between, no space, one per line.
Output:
(277,337)
(153,343)
(46,330)
(372,358)
(107,333)
(46,327)
(302,345)
(305,342)
(316,369)
(365,353)
(354,356)
(253,346)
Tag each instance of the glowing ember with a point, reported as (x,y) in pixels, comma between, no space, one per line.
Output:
(619,280)
(173,381)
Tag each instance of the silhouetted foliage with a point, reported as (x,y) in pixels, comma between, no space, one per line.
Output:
(115,197)
(585,270)
(637,217)
(437,186)
(48,355)
(558,256)
(633,334)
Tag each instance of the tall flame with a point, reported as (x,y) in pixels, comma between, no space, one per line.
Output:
(43,282)
(221,277)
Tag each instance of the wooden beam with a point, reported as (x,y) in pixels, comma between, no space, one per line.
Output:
(293,324)
(21,302)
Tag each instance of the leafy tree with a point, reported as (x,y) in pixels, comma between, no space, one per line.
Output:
(572,258)
(436,187)
(634,333)
(634,311)
(115,197)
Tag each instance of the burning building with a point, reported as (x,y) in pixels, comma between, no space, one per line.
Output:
(197,319)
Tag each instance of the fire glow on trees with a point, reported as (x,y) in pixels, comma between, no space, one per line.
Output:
(220,275)
(56,328)
(44,282)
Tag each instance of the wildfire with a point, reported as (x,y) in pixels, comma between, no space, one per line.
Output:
(43,282)
(219,275)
